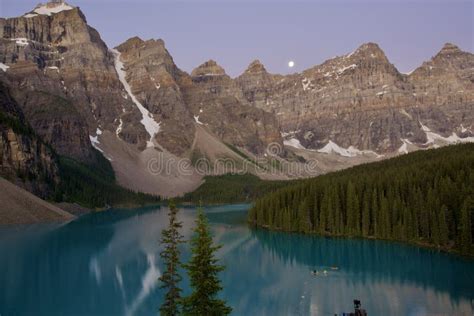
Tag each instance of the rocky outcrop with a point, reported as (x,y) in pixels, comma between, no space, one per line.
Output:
(24,158)
(218,103)
(59,60)
(444,88)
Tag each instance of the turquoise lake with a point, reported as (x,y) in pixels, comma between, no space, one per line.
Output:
(108,264)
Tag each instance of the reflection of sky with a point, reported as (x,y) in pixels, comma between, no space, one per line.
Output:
(108,264)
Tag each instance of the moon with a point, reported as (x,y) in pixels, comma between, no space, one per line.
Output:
(291,64)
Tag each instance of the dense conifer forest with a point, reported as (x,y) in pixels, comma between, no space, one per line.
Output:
(425,197)
(231,188)
(95,186)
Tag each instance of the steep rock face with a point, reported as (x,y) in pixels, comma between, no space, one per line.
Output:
(155,81)
(217,102)
(61,55)
(447,83)
(257,84)
(179,101)
(361,100)
(24,158)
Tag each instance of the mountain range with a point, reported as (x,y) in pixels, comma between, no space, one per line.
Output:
(63,90)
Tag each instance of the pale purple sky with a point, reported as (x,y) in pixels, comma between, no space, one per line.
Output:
(236,32)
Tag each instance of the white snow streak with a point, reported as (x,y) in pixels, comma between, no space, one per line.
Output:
(196,118)
(54,68)
(293,142)
(119,128)
(404,112)
(341,70)
(151,126)
(4,67)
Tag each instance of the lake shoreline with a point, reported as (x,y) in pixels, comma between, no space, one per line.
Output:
(420,245)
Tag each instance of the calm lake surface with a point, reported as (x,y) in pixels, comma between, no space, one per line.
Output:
(108,264)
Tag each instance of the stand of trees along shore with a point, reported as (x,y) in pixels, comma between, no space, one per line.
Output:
(425,197)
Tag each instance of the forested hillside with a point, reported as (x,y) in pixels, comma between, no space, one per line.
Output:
(232,188)
(95,186)
(426,197)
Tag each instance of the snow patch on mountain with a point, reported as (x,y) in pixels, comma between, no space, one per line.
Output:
(289,133)
(4,67)
(119,128)
(95,140)
(54,68)
(52,8)
(307,84)
(196,118)
(350,55)
(20,41)
(332,147)
(343,69)
(432,137)
(293,142)
(151,126)
(404,147)
(402,111)
(95,143)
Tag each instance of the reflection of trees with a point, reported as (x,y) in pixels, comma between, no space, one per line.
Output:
(73,268)
(102,265)
(378,260)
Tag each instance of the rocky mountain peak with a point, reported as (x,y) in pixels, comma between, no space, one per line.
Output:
(451,58)
(449,48)
(209,68)
(131,43)
(255,67)
(49,8)
(368,51)
(448,51)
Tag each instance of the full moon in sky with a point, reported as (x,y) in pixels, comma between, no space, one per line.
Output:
(291,64)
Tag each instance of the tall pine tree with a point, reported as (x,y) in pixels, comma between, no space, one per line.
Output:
(203,270)
(171,238)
